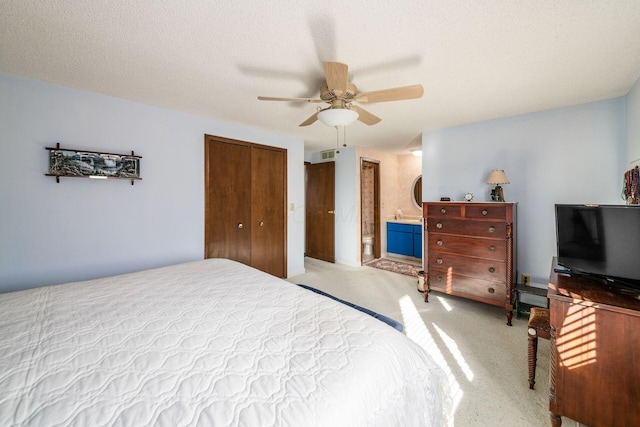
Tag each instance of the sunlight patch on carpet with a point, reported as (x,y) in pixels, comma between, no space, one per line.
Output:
(417,331)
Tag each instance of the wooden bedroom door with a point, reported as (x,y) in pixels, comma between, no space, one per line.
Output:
(245,203)
(320,211)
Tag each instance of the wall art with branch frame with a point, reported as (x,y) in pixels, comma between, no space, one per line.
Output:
(66,162)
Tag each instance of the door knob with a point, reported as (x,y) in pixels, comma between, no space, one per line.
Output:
(261,223)
(240,226)
(331,212)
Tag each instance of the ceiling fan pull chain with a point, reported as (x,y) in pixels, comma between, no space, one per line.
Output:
(337,140)
(344,136)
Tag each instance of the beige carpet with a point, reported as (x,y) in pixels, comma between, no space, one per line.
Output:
(486,359)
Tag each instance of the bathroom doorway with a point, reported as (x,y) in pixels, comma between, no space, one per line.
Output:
(370,209)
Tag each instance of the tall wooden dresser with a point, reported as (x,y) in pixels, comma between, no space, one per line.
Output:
(470,251)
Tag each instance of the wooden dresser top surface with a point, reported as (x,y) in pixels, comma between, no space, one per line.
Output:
(587,291)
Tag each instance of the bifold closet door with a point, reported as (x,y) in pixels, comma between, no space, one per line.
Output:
(268,210)
(245,204)
(228,201)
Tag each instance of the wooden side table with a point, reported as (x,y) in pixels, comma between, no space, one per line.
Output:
(523,307)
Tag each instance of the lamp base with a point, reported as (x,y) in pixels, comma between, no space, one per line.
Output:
(497,195)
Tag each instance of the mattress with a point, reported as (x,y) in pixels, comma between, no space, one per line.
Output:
(210,343)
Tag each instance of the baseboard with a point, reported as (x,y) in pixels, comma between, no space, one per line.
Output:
(296,273)
(349,263)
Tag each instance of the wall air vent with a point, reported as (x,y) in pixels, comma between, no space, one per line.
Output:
(329,154)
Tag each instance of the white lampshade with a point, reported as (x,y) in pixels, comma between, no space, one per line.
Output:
(497,177)
(337,117)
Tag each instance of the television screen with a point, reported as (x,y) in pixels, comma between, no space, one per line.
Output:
(602,240)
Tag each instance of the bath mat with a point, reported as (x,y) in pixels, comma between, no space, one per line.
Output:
(395,266)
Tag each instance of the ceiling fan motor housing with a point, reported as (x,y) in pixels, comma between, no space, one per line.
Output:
(329,95)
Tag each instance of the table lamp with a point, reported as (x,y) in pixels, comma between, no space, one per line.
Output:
(496,178)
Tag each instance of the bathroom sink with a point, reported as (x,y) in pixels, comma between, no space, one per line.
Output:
(406,221)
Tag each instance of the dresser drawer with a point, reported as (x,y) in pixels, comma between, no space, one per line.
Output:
(470,246)
(498,211)
(490,229)
(480,268)
(469,287)
(443,210)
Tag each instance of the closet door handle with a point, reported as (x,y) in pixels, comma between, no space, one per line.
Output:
(240,225)
(331,212)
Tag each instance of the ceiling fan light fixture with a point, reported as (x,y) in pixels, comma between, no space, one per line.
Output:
(337,117)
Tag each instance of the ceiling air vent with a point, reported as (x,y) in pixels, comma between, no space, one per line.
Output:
(329,154)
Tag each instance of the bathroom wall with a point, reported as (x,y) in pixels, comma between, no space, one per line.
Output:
(409,168)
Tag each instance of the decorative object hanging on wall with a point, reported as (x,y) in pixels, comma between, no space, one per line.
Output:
(631,186)
(65,162)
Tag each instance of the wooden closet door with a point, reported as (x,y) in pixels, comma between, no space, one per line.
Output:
(227,201)
(268,210)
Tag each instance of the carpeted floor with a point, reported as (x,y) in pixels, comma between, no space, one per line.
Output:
(486,359)
(395,266)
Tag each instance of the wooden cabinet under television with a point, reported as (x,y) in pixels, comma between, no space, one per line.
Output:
(245,203)
(469,251)
(595,358)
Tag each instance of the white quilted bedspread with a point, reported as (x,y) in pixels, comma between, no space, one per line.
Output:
(210,343)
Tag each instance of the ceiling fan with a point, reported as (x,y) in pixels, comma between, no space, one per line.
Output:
(340,94)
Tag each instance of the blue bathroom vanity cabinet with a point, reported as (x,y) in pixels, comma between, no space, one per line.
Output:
(404,239)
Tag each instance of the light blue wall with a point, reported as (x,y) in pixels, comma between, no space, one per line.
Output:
(80,228)
(347,212)
(568,155)
(633,123)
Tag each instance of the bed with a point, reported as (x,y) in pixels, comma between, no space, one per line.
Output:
(212,343)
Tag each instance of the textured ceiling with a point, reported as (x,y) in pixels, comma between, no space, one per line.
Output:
(477,60)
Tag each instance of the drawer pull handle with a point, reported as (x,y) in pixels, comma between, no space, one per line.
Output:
(492,270)
(439,225)
(492,249)
(261,223)
(492,229)
(439,261)
(443,210)
(240,226)
(440,278)
(485,212)
(491,290)
(439,243)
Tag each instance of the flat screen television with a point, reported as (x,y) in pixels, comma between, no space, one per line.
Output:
(602,241)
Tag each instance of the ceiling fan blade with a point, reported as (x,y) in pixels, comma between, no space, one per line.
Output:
(365,117)
(336,74)
(310,120)
(271,98)
(395,94)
